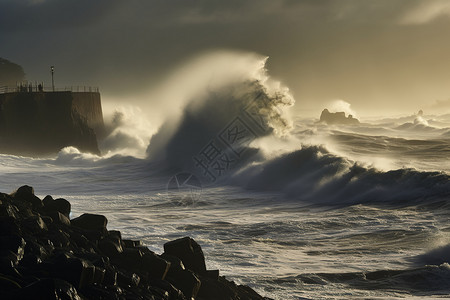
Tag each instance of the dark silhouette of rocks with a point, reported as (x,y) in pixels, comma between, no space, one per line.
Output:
(337,118)
(10,73)
(44,255)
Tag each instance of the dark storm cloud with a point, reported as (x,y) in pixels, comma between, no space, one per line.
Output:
(16,15)
(351,49)
(45,14)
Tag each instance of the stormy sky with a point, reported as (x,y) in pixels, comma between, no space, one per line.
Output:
(383,56)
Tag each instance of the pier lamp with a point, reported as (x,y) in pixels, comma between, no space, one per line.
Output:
(52,70)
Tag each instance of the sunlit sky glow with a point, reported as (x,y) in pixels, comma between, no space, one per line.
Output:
(382,57)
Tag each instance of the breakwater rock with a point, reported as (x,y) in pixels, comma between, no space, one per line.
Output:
(46,255)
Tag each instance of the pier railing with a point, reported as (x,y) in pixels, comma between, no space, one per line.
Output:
(40,88)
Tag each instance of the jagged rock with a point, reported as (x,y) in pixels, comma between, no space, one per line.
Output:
(131,243)
(110,248)
(96,259)
(190,253)
(30,261)
(144,250)
(99,275)
(212,274)
(91,222)
(159,293)
(80,259)
(223,289)
(130,259)
(8,210)
(187,282)
(219,290)
(12,244)
(245,292)
(78,272)
(115,234)
(59,239)
(59,218)
(9,268)
(47,220)
(47,244)
(26,193)
(110,277)
(59,205)
(128,278)
(35,251)
(337,118)
(155,266)
(102,292)
(35,224)
(166,286)
(176,264)
(47,200)
(48,289)
(7,285)
(115,238)
(81,241)
(9,225)
(63,206)
(8,261)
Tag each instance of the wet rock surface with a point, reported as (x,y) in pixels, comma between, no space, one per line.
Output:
(45,255)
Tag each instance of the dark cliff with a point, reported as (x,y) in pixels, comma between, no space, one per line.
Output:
(42,123)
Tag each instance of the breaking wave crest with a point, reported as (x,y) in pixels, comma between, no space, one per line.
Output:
(228,115)
(235,132)
(316,175)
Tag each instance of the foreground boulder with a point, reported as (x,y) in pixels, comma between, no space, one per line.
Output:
(45,255)
(190,253)
(91,222)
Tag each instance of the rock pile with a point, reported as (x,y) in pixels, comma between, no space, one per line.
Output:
(45,255)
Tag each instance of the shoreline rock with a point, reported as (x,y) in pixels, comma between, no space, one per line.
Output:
(45,255)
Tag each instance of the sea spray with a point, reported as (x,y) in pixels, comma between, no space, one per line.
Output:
(218,127)
(128,132)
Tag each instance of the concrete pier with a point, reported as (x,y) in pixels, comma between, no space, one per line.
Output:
(36,123)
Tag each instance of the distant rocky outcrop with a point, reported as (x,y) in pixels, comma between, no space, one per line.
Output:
(337,118)
(45,255)
(10,73)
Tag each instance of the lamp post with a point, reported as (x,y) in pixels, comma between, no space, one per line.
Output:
(52,70)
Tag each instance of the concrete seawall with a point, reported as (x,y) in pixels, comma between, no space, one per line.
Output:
(39,123)
(89,106)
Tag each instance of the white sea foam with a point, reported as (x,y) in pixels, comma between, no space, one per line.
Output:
(305,211)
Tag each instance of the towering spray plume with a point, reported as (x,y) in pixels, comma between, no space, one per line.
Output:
(233,104)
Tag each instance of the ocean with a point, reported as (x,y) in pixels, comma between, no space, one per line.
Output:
(294,208)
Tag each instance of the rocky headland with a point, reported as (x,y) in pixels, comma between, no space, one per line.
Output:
(337,118)
(46,255)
